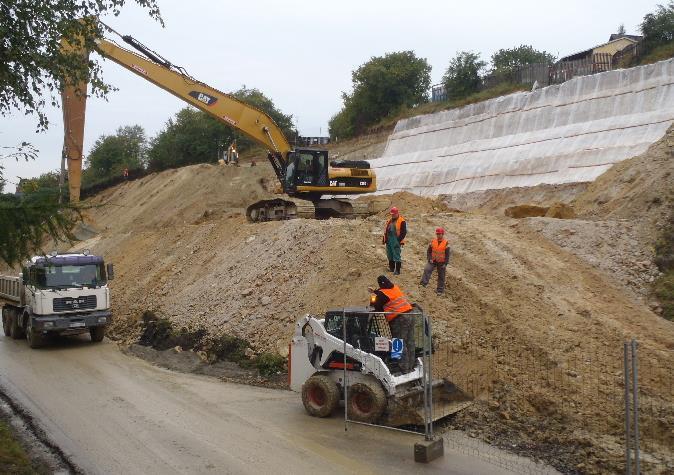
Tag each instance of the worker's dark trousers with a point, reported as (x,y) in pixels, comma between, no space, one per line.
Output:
(402,327)
(428,271)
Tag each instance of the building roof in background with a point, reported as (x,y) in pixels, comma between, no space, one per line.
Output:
(614,37)
(617,36)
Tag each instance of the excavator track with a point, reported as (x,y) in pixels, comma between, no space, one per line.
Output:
(281,209)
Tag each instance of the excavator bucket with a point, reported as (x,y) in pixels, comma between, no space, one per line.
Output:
(407,408)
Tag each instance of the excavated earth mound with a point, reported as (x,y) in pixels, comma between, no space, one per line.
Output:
(183,249)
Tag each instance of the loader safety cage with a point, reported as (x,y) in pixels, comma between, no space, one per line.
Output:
(359,329)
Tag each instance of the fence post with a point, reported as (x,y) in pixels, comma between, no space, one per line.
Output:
(429,349)
(635,406)
(346,392)
(626,371)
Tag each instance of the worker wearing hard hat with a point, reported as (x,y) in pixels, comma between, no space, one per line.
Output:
(437,254)
(394,238)
(390,299)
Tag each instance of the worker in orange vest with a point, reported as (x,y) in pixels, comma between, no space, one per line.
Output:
(394,238)
(437,254)
(390,299)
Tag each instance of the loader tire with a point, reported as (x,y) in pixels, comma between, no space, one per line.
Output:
(320,395)
(366,402)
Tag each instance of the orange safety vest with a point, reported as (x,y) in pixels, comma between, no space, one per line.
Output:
(399,223)
(438,250)
(397,303)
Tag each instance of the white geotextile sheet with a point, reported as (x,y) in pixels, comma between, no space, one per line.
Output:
(572,132)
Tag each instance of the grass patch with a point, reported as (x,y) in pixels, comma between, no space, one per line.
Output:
(269,364)
(658,54)
(13,458)
(663,287)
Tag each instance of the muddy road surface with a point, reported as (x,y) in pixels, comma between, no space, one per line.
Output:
(112,413)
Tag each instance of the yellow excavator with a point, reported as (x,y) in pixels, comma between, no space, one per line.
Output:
(305,175)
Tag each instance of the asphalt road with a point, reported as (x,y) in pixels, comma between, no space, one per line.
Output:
(112,413)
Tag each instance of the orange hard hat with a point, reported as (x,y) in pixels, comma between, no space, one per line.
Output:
(439,231)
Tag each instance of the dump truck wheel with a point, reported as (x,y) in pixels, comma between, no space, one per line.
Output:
(97,334)
(14,329)
(320,395)
(35,338)
(6,323)
(366,402)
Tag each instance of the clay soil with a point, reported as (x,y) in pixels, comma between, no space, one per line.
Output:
(531,329)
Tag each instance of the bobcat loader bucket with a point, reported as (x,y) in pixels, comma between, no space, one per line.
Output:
(407,406)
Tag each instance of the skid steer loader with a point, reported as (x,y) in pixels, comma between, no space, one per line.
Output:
(376,391)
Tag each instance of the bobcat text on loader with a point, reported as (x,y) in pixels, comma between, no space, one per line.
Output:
(376,392)
(58,294)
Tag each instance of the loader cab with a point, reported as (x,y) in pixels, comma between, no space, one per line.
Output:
(306,168)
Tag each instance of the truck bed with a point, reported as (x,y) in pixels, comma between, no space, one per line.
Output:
(10,289)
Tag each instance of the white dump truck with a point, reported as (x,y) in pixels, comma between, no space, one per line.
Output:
(64,294)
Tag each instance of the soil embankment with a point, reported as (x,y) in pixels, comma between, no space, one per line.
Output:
(183,249)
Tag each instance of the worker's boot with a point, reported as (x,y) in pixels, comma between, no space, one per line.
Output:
(398,265)
(391,266)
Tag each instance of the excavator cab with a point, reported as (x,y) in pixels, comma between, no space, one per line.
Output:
(306,168)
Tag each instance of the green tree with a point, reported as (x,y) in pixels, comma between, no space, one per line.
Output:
(32,69)
(46,182)
(462,77)
(196,137)
(658,27)
(191,137)
(32,64)
(381,87)
(26,220)
(505,61)
(127,148)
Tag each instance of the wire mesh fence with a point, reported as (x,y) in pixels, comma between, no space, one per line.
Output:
(560,405)
(521,407)
(392,390)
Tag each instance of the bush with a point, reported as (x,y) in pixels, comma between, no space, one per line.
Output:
(228,347)
(269,364)
(659,53)
(663,287)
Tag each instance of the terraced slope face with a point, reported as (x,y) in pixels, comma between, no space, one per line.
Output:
(568,133)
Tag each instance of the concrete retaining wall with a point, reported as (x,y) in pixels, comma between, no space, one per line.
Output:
(567,133)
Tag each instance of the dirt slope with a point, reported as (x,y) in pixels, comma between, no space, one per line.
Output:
(182,248)
(619,216)
(641,188)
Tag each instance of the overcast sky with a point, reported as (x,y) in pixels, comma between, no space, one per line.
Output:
(301,53)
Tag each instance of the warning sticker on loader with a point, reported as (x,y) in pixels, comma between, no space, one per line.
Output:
(381,344)
(397,345)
